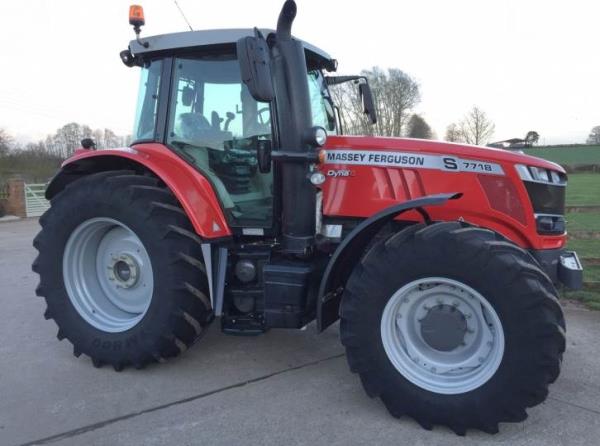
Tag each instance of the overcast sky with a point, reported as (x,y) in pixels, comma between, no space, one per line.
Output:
(531,65)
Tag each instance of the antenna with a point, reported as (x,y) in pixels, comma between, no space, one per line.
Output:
(183,15)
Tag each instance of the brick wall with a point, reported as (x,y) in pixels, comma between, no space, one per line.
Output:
(15,203)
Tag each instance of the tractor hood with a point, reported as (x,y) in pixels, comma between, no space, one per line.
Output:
(463,151)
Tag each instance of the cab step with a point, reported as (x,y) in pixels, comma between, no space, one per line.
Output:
(243,325)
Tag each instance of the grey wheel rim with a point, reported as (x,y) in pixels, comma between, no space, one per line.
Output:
(442,335)
(108,274)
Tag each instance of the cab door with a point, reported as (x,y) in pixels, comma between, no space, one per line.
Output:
(217,125)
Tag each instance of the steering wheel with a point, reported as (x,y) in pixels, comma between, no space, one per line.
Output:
(261,119)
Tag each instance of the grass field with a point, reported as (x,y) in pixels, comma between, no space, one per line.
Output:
(584,190)
(586,249)
(570,156)
(583,221)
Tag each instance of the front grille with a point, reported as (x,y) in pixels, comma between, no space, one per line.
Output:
(546,198)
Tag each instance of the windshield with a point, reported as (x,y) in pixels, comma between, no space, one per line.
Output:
(320,102)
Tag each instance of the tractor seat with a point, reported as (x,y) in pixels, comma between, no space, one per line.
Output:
(194,127)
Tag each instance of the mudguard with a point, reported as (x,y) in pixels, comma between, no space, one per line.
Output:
(350,251)
(194,192)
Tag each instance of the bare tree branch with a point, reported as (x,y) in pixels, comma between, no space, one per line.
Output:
(476,128)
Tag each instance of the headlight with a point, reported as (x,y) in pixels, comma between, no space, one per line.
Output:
(541,175)
(550,224)
(317,178)
(317,136)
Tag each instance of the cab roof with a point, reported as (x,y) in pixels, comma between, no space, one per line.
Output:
(210,37)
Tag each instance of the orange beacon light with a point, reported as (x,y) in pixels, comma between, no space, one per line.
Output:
(136,16)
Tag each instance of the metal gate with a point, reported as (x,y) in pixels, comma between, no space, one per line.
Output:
(35,202)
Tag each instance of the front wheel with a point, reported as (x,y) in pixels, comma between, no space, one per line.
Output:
(452,325)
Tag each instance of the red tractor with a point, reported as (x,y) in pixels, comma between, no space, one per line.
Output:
(240,199)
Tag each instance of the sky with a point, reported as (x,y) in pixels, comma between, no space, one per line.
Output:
(530,65)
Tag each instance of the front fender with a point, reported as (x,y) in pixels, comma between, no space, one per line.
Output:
(349,252)
(194,192)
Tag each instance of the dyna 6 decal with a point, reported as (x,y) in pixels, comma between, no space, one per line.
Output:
(411,160)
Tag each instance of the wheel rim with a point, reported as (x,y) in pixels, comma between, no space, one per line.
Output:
(442,335)
(107,274)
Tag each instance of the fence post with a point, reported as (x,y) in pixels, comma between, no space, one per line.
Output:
(15,203)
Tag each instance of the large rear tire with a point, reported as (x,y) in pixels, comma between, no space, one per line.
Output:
(121,270)
(452,325)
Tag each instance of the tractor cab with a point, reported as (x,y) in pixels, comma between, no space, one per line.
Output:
(193,100)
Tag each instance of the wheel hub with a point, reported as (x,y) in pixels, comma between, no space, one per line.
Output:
(444,328)
(123,270)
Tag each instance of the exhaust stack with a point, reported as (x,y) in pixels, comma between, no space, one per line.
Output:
(286,19)
(295,118)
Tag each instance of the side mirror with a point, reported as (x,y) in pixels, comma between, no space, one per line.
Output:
(366,97)
(255,66)
(263,155)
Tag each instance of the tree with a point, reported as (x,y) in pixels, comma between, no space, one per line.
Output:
(594,137)
(395,93)
(418,128)
(453,134)
(98,137)
(531,138)
(63,143)
(476,128)
(6,142)
(67,138)
(111,140)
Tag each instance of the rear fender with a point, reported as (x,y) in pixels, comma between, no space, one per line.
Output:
(192,189)
(350,251)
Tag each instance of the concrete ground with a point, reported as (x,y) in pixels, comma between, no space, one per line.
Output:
(283,388)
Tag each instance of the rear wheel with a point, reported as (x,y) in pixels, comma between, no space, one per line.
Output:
(121,270)
(469,331)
